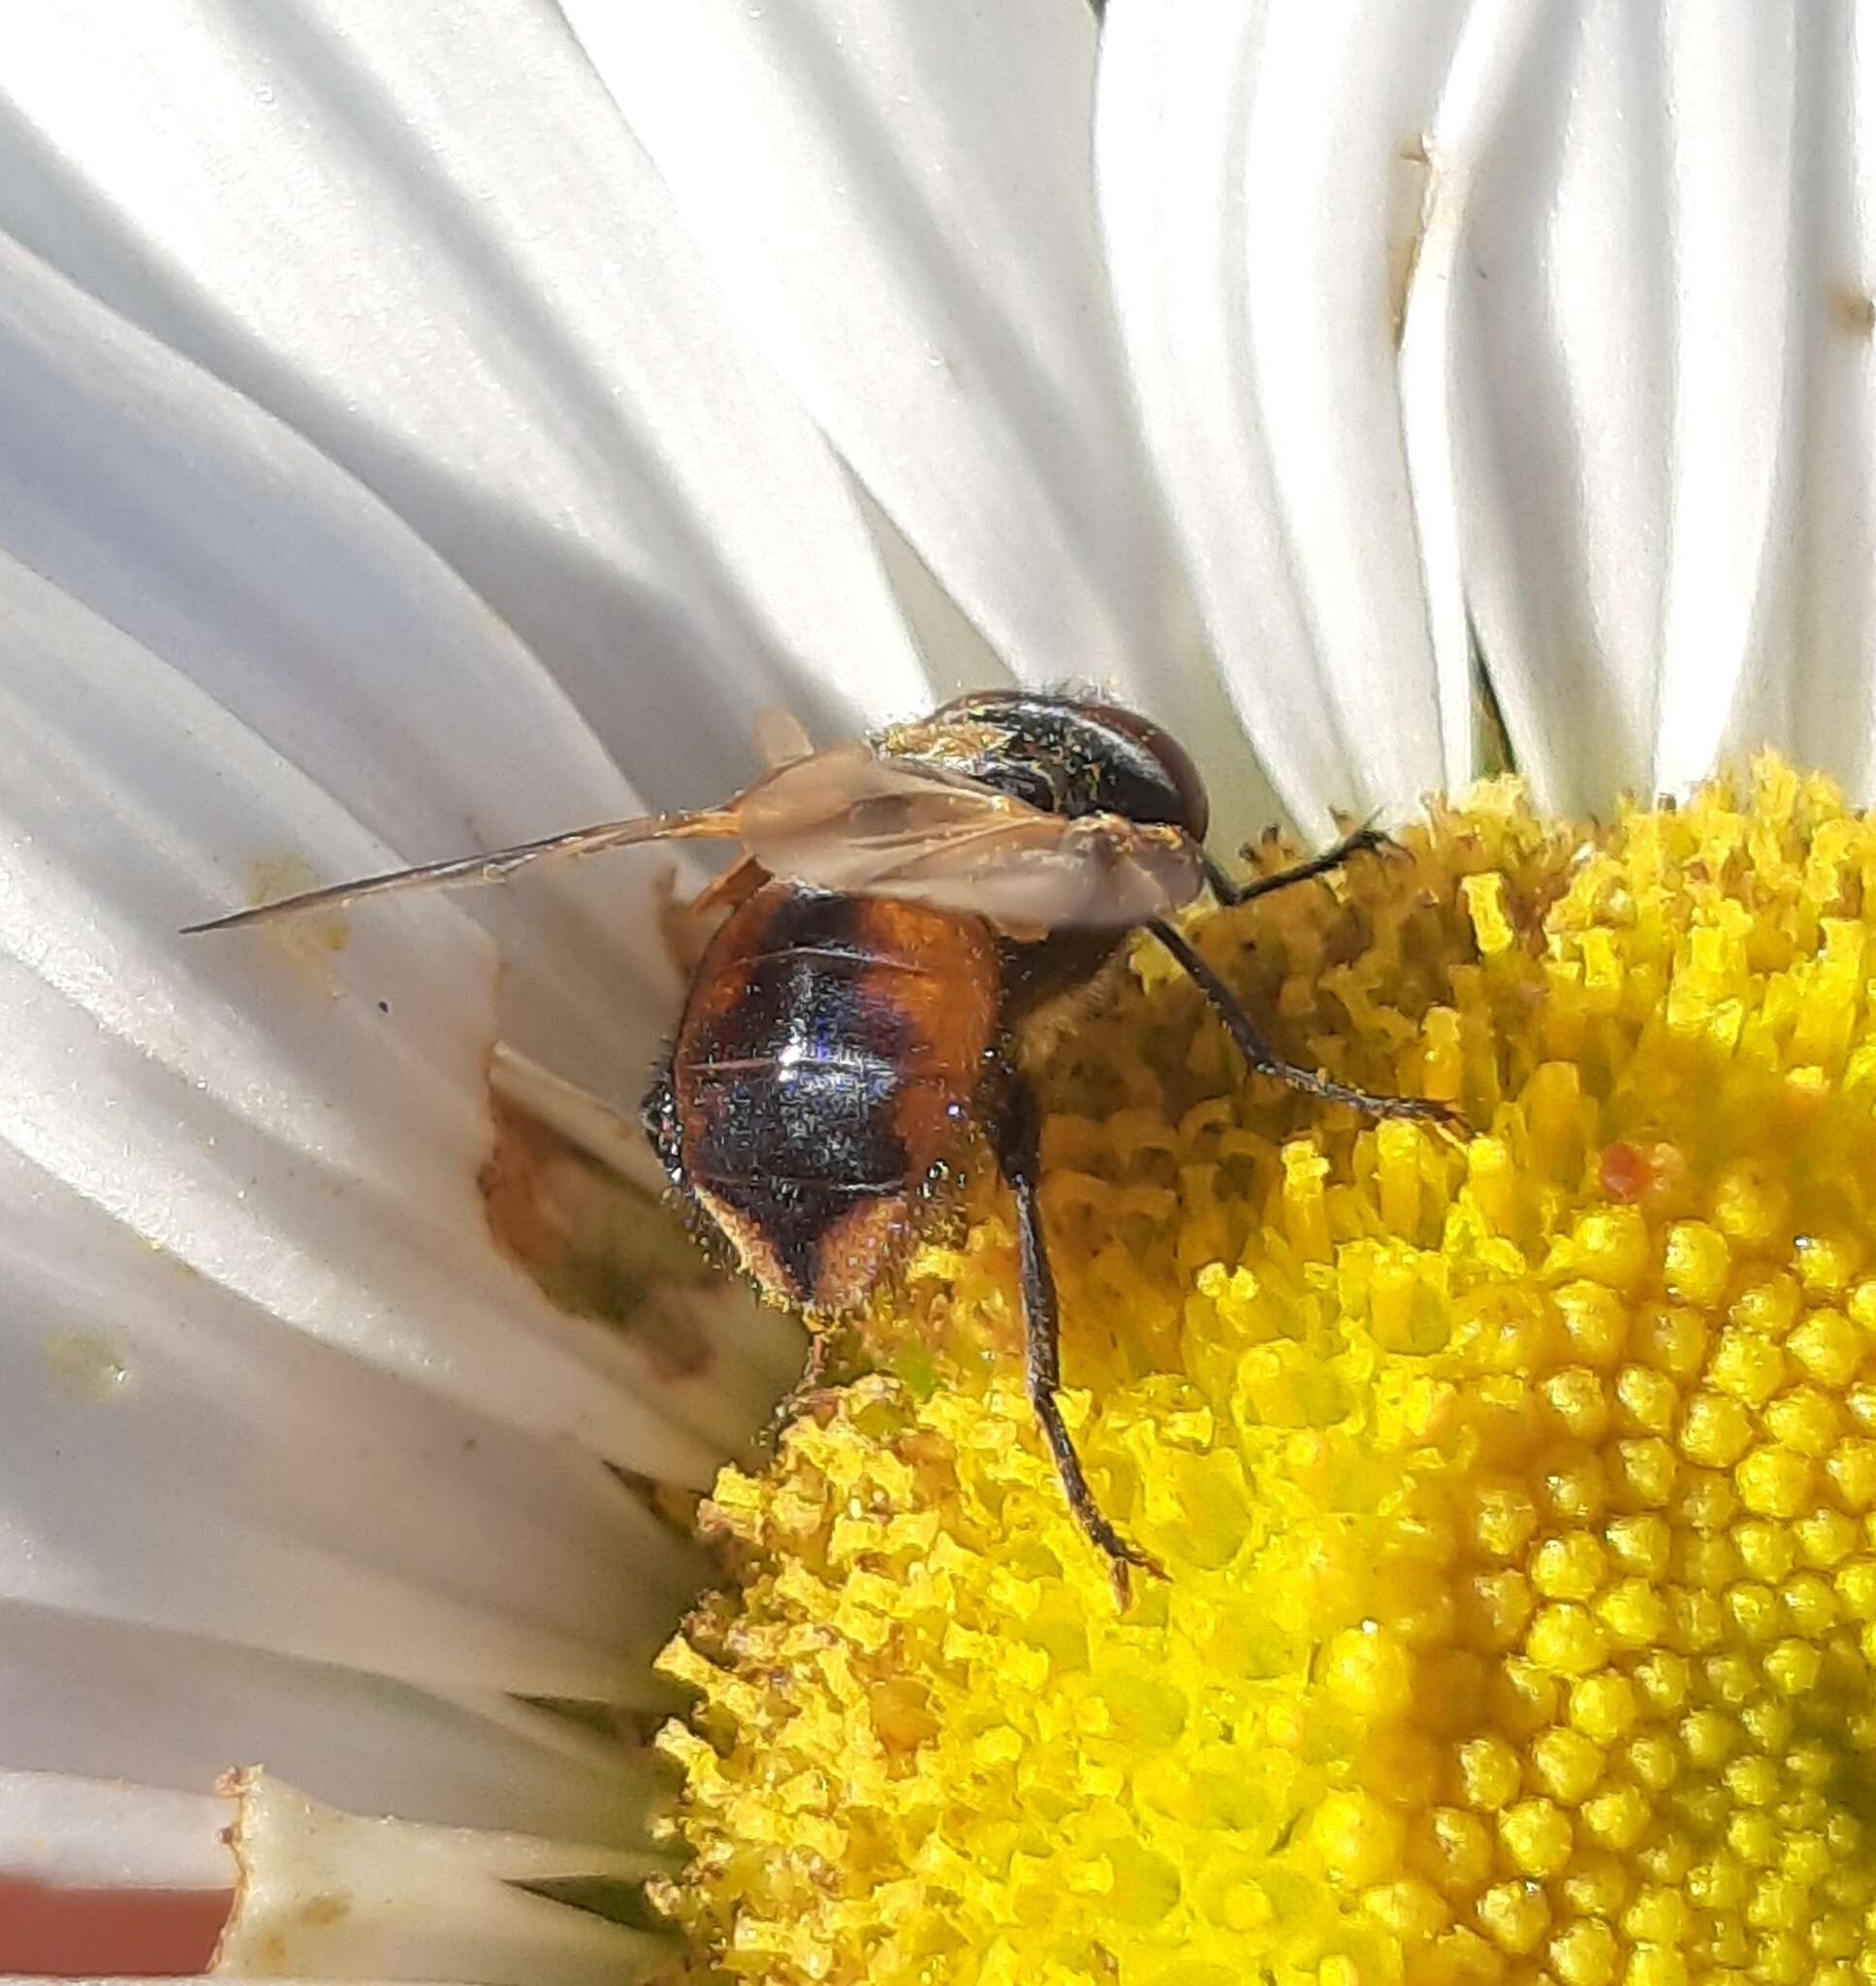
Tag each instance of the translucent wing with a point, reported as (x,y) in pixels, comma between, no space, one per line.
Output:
(847,820)
(496,865)
(850,821)
(1028,877)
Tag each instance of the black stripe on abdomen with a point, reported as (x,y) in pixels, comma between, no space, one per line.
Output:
(792,1094)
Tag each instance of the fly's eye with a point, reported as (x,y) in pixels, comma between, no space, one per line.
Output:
(1172,766)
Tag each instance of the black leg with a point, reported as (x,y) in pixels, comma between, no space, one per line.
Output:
(1017,1129)
(1265,1061)
(1231,893)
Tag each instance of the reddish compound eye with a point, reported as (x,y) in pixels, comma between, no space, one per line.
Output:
(1195,804)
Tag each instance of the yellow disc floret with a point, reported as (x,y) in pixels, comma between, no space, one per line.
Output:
(1516,1496)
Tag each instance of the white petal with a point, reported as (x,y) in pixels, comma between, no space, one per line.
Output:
(896,198)
(101,1834)
(1743,289)
(1546,348)
(1635,310)
(1772,634)
(329,1893)
(1633,397)
(424,239)
(176,1457)
(96,1697)
(189,524)
(221,543)
(211,1142)
(1258,208)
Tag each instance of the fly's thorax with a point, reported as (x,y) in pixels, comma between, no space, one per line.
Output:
(1064,752)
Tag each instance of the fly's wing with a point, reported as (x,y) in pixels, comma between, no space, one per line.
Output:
(847,820)
(1030,876)
(802,804)
(494,865)
(850,821)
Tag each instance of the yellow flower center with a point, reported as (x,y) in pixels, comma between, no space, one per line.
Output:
(1515,1495)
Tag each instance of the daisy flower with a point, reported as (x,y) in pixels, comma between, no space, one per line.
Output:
(427,427)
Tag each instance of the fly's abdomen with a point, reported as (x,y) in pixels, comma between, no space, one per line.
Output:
(827,1053)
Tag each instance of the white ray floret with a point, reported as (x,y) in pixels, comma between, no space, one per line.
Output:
(1532,336)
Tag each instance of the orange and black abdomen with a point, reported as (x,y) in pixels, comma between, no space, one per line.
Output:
(828,1051)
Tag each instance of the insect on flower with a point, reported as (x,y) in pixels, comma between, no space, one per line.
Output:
(911,920)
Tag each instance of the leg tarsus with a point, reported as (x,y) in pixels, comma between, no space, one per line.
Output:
(1363,840)
(1265,1061)
(1018,1132)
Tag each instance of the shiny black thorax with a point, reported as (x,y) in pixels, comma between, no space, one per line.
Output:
(1065,754)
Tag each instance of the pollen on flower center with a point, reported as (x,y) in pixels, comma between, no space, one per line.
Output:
(1517,1497)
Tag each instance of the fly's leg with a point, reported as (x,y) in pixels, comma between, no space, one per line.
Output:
(1231,893)
(1017,1128)
(1265,1061)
